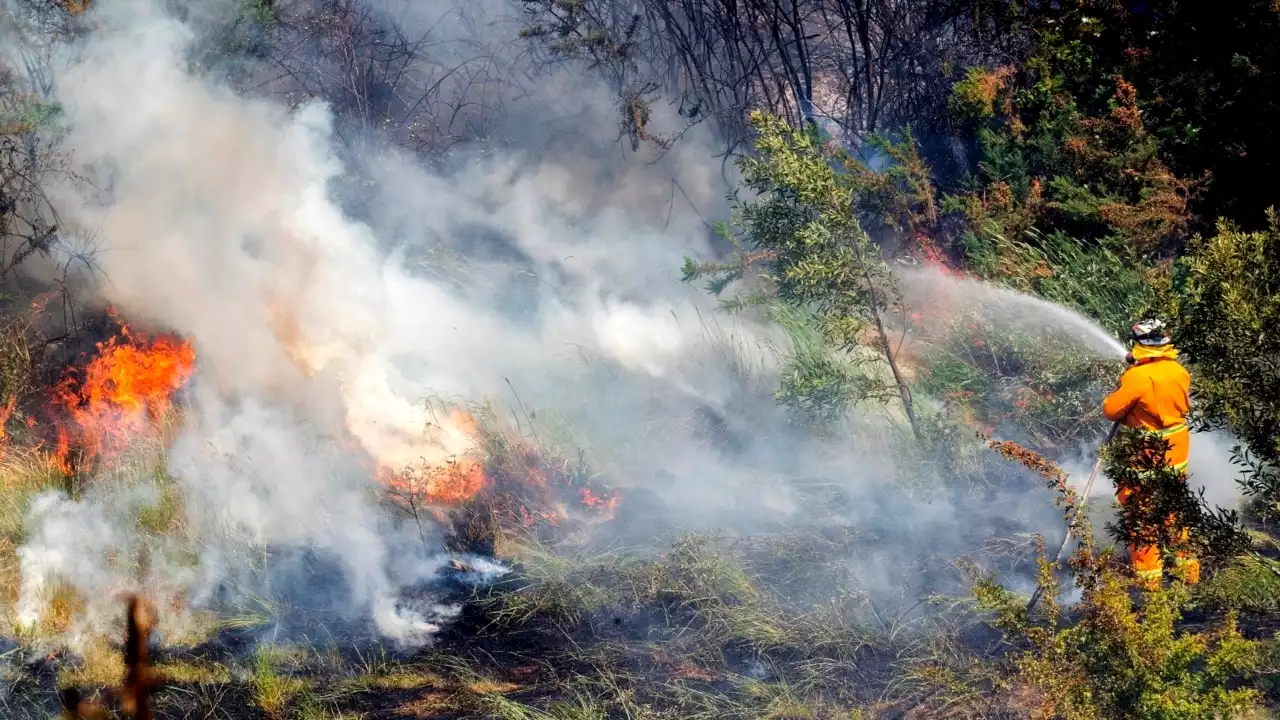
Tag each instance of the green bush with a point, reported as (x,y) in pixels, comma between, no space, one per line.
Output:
(1106,657)
(1018,380)
(1224,308)
(1135,459)
(802,235)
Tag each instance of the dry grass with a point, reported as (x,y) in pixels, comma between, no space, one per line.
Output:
(99,666)
(1247,584)
(703,627)
(709,617)
(716,639)
(24,473)
(193,672)
(62,605)
(381,681)
(274,689)
(713,604)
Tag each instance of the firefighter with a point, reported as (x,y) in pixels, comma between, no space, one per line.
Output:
(1154,395)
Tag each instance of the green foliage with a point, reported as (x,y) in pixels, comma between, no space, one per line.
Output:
(1225,311)
(1247,584)
(242,34)
(273,689)
(817,252)
(720,276)
(1122,127)
(1140,666)
(1163,503)
(1064,147)
(899,196)
(1105,657)
(1203,74)
(1021,380)
(974,96)
(804,232)
(1098,282)
(257,11)
(815,383)
(30,117)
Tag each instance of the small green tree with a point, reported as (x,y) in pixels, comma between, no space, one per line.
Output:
(1165,503)
(1225,310)
(803,233)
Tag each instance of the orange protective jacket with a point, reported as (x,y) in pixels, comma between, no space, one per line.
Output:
(1155,395)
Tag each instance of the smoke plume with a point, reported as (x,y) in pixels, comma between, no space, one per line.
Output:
(216,216)
(340,293)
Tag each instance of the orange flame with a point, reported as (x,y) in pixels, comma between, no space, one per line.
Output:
(527,488)
(453,483)
(6,412)
(606,504)
(125,390)
(458,479)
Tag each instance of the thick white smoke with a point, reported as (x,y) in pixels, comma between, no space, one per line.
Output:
(215,217)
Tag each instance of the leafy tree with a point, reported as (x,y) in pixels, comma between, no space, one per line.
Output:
(1224,307)
(802,230)
(1205,77)
(1060,159)
(1147,119)
(816,383)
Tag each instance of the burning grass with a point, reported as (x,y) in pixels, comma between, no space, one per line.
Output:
(687,635)
(122,394)
(511,487)
(700,626)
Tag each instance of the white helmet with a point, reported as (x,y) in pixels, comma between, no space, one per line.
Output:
(1151,333)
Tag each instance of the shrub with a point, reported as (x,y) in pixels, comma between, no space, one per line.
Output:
(1135,459)
(1224,308)
(1106,656)
(811,250)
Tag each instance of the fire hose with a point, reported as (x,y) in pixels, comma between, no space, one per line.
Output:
(1088,487)
(1084,497)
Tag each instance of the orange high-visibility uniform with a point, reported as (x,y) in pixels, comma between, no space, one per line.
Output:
(1154,395)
